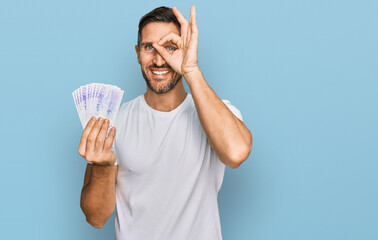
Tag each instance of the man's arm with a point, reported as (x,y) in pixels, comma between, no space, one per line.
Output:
(98,193)
(228,136)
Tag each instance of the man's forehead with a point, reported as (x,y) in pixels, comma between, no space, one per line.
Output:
(153,31)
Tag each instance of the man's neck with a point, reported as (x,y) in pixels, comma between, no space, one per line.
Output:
(168,101)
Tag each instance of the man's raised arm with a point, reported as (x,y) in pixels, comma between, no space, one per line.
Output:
(228,136)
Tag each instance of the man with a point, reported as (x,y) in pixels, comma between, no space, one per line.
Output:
(171,147)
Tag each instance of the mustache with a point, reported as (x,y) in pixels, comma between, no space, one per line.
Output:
(162,66)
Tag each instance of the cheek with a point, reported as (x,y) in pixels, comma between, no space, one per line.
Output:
(144,62)
(144,65)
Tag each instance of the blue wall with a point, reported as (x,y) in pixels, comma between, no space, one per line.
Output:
(303,73)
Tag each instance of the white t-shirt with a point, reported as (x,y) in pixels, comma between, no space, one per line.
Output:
(169,176)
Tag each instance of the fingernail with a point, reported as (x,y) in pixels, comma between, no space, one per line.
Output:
(100,119)
(92,119)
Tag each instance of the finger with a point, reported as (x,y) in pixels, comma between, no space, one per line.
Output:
(163,52)
(183,22)
(179,16)
(91,141)
(99,145)
(193,11)
(188,34)
(109,140)
(194,29)
(193,15)
(190,29)
(171,37)
(84,136)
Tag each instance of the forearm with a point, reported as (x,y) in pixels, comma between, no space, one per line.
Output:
(98,196)
(229,136)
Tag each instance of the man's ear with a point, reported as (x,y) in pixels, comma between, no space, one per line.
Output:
(137,52)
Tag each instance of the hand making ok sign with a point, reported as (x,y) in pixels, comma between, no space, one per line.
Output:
(184,59)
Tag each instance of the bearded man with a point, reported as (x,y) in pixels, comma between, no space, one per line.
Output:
(165,166)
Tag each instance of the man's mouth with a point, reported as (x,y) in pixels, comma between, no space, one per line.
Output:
(160,72)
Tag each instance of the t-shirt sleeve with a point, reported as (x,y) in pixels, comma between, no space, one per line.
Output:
(233,109)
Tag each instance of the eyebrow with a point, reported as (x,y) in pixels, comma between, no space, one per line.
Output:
(150,43)
(146,43)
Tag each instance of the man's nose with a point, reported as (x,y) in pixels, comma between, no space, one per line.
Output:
(158,59)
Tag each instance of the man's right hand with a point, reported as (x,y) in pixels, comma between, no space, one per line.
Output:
(94,146)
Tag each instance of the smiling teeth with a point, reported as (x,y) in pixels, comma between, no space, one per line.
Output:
(160,72)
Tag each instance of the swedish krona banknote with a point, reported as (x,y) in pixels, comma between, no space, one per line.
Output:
(99,100)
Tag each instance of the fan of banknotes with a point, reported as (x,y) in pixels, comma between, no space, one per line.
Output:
(99,100)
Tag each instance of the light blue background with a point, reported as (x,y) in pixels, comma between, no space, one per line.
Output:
(303,74)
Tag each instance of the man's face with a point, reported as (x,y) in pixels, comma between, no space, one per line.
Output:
(159,76)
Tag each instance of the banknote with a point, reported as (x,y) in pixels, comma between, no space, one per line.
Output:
(99,100)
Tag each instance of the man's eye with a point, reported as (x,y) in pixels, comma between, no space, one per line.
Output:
(171,48)
(149,47)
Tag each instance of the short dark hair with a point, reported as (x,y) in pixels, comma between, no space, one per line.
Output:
(160,14)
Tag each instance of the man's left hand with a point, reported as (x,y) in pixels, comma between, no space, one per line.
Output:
(184,59)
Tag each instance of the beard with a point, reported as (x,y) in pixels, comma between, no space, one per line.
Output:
(171,85)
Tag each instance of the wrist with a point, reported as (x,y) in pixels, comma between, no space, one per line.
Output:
(192,74)
(104,164)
